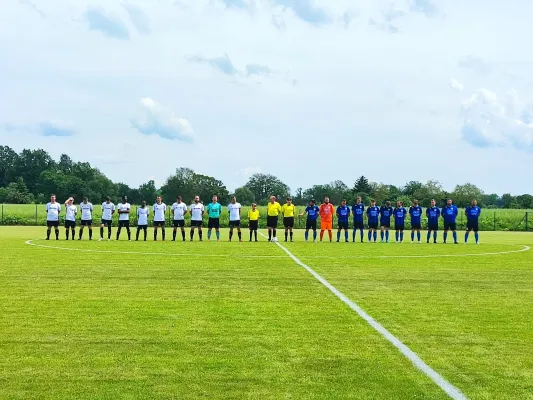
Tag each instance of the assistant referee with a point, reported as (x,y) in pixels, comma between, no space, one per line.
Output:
(273,211)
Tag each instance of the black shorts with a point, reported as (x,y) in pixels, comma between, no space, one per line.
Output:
(106,222)
(213,223)
(70,224)
(450,226)
(372,225)
(253,225)
(358,225)
(416,226)
(143,227)
(385,224)
(343,224)
(235,224)
(272,221)
(399,227)
(472,226)
(196,224)
(288,222)
(124,224)
(86,222)
(434,226)
(159,223)
(310,224)
(178,223)
(55,224)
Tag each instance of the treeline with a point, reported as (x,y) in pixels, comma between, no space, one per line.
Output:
(32,175)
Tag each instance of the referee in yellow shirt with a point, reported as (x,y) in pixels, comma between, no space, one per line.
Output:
(273,210)
(288,210)
(253,221)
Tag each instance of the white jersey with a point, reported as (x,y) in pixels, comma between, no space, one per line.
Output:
(159,212)
(107,210)
(52,211)
(86,211)
(142,215)
(234,211)
(197,211)
(71,212)
(124,207)
(179,211)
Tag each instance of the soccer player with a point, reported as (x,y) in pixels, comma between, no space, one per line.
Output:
(326,212)
(472,220)
(214,209)
(343,215)
(179,210)
(70,217)
(449,214)
(358,210)
(160,209)
(124,209)
(288,210)
(386,214)
(108,209)
(415,212)
(86,218)
(273,211)
(234,209)
(142,221)
(253,221)
(373,221)
(197,215)
(433,214)
(312,212)
(399,214)
(53,209)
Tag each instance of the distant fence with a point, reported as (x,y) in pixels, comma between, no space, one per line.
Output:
(490,220)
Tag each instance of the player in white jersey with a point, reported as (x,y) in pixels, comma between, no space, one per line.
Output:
(234,209)
(53,209)
(86,217)
(160,209)
(108,209)
(124,209)
(178,210)
(197,216)
(70,217)
(142,220)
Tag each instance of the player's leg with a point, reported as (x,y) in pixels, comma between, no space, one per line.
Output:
(145,231)
(369,233)
(163,231)
(476,232)
(217,229)
(90,226)
(56,229)
(67,229)
(251,230)
(109,223)
(191,234)
(315,234)
(346,233)
(401,233)
(330,232)
(48,230)
(80,233)
(428,234)
(382,233)
(397,236)
(418,235)
(445,234)
(174,231)
(101,231)
(156,227)
(286,226)
(182,226)
(137,233)
(362,231)
(128,229)
(375,233)
(412,235)
(467,232)
(454,233)
(239,233)
(339,231)
(354,234)
(73,229)
(119,229)
(230,231)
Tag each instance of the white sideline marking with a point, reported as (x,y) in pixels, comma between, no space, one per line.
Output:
(446,386)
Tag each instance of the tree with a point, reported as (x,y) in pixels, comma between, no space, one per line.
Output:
(509,201)
(65,164)
(16,193)
(30,164)
(361,186)
(8,163)
(207,186)
(428,191)
(148,191)
(298,198)
(411,188)
(463,195)
(187,184)
(244,196)
(525,201)
(263,186)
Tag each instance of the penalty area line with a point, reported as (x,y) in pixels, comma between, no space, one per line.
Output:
(452,391)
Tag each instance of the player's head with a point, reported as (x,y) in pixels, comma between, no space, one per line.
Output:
(289,200)
(85,200)
(373,202)
(272,199)
(358,200)
(449,202)
(474,202)
(387,203)
(254,206)
(326,200)
(343,202)
(70,200)
(158,200)
(312,202)
(143,204)
(415,202)
(196,199)
(53,198)
(124,199)
(233,199)
(214,198)
(399,203)
(433,203)
(108,199)
(179,199)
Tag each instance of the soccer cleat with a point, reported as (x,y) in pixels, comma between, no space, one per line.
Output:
(47,238)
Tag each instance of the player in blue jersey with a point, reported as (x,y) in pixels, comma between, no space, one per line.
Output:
(433,214)
(373,220)
(399,215)
(449,214)
(386,214)
(343,215)
(472,220)
(415,212)
(312,215)
(358,211)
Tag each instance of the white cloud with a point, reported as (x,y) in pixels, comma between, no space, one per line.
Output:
(456,85)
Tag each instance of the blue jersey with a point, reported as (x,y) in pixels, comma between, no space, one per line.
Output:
(416,214)
(433,214)
(373,214)
(358,211)
(473,213)
(312,213)
(343,213)
(449,213)
(399,215)
(386,214)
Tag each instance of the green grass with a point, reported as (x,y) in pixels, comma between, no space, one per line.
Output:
(242,320)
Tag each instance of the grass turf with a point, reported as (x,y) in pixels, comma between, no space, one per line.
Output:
(242,320)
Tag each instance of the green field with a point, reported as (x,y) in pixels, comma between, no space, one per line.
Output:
(164,320)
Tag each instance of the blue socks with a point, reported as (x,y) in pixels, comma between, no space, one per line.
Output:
(397,236)
(346,235)
(369,236)
(306,235)
(375,236)
(445,236)
(412,236)
(314,235)
(382,234)
(208,235)
(338,236)
(218,235)
(387,236)
(477,237)
(455,237)
(466,237)
(362,235)
(418,236)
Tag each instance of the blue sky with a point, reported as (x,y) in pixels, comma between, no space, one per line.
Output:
(311,91)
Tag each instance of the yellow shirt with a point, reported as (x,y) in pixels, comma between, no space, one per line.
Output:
(288,210)
(273,210)
(253,215)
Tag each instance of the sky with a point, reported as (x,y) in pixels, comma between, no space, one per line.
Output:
(309,91)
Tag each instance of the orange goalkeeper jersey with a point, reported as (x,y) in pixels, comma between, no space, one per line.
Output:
(326,212)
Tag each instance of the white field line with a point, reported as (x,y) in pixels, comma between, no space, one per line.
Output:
(446,386)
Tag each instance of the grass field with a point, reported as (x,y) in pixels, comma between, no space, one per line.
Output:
(128,320)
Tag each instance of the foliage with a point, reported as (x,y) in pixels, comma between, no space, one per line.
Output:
(263,186)
(362,187)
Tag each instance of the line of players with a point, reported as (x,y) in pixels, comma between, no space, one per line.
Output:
(377,216)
